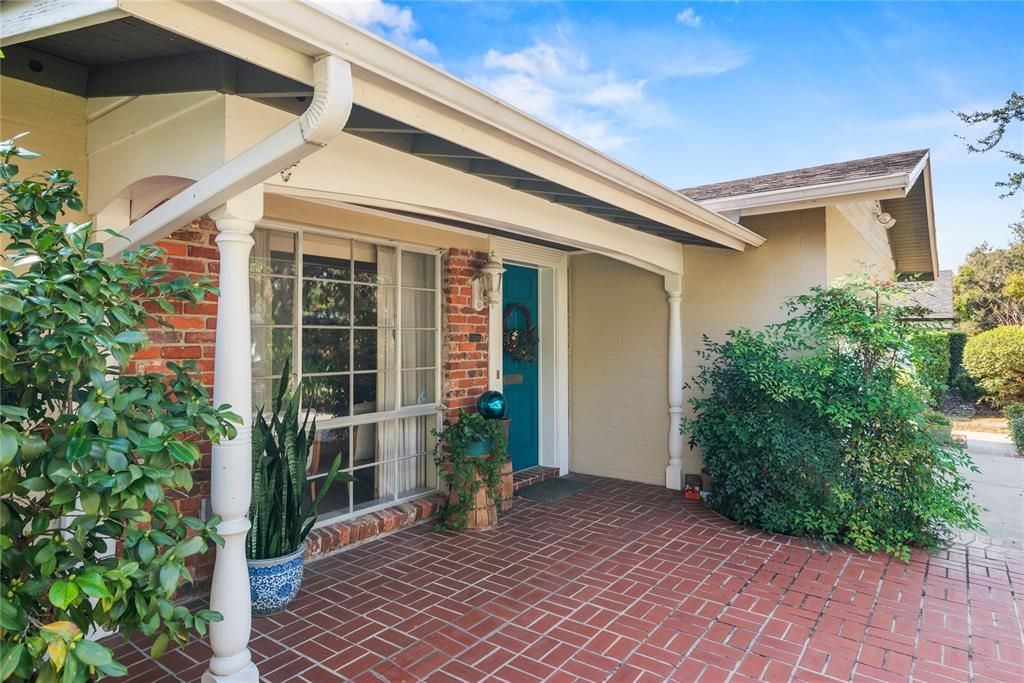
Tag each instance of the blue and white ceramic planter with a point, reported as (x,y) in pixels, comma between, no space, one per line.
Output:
(274,582)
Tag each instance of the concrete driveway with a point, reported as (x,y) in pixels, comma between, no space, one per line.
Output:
(999,486)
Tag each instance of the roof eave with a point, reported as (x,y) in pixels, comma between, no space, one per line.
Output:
(311,29)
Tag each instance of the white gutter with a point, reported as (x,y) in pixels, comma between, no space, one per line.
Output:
(323,120)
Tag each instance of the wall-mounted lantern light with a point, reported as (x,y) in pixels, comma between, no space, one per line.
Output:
(487,283)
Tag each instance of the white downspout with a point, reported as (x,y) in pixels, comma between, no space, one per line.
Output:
(319,124)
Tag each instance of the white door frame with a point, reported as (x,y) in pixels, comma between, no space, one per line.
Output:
(553,356)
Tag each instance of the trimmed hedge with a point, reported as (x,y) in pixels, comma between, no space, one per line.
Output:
(957,341)
(1015,416)
(929,352)
(996,360)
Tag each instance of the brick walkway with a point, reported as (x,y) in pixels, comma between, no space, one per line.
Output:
(627,582)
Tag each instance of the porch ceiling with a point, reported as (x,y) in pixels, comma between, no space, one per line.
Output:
(129,57)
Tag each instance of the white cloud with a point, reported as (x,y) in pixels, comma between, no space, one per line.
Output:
(688,17)
(556,82)
(592,89)
(392,21)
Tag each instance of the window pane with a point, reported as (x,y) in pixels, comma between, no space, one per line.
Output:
(375,306)
(327,396)
(418,270)
(325,303)
(419,309)
(273,252)
(374,263)
(419,348)
(271,348)
(374,350)
(326,257)
(418,387)
(325,349)
(272,300)
(368,488)
(364,448)
(373,392)
(263,393)
(329,444)
(409,476)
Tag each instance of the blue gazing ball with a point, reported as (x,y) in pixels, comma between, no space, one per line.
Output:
(492,405)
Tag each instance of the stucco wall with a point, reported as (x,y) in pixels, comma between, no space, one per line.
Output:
(618,365)
(56,123)
(723,290)
(855,242)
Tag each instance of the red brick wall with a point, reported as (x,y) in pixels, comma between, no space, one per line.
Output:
(464,333)
(190,251)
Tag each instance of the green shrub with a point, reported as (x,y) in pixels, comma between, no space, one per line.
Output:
(929,352)
(1015,417)
(88,537)
(965,385)
(813,427)
(996,360)
(957,340)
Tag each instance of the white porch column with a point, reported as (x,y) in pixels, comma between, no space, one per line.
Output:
(674,470)
(231,482)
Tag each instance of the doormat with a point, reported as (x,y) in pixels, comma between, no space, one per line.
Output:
(554,490)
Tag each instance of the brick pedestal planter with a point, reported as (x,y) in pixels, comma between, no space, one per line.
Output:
(484,513)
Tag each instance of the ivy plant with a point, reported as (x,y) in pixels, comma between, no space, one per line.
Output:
(464,473)
(90,540)
(818,427)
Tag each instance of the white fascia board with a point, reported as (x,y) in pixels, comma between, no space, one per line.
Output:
(394,82)
(930,206)
(879,187)
(23,20)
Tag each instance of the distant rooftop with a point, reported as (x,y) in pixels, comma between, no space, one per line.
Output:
(859,169)
(937,296)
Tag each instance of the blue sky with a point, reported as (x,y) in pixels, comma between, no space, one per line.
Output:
(690,93)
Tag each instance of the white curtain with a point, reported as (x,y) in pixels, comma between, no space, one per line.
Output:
(387,362)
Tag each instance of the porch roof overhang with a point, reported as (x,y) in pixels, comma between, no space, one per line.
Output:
(265,52)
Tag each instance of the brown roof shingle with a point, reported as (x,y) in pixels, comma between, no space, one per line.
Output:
(859,169)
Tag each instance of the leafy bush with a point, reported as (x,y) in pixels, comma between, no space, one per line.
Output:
(88,537)
(813,427)
(1015,417)
(957,340)
(929,352)
(965,385)
(465,473)
(996,360)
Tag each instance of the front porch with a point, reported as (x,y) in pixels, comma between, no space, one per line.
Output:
(628,582)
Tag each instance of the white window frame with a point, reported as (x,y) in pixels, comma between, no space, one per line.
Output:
(425,410)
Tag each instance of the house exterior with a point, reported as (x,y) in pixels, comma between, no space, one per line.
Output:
(349,199)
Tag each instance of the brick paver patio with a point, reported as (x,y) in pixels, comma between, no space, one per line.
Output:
(627,582)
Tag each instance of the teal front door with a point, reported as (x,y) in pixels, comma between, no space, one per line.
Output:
(519,306)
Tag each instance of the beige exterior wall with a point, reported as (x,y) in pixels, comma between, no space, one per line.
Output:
(618,417)
(856,243)
(300,212)
(723,290)
(56,122)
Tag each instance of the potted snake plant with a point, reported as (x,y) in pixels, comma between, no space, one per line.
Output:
(281,513)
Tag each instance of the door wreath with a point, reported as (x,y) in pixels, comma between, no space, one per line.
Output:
(520,342)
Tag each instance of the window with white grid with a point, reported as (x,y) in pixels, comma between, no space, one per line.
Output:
(360,322)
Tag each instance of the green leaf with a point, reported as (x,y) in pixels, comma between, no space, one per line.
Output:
(63,593)
(92,653)
(93,586)
(9,660)
(170,574)
(183,451)
(8,444)
(11,303)
(90,501)
(159,646)
(131,337)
